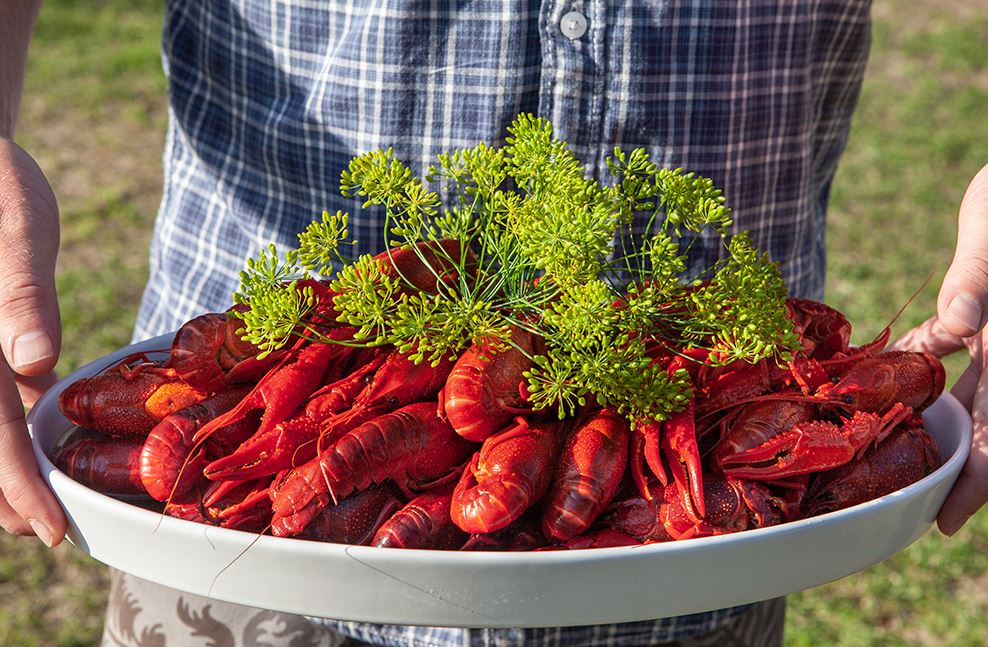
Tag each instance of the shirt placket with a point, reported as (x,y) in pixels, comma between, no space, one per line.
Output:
(572,82)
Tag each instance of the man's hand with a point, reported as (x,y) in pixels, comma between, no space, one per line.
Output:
(962,308)
(30,336)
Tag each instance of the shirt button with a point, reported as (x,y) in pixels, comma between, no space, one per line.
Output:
(573,25)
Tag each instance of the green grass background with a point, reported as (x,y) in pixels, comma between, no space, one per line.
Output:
(94,115)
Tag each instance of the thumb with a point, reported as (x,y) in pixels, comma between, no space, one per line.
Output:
(30,333)
(963,300)
(929,337)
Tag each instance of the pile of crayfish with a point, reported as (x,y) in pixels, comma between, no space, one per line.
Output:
(354,444)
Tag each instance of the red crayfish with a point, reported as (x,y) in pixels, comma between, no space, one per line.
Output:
(339,443)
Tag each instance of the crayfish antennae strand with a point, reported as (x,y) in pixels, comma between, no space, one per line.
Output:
(329,485)
(161,518)
(253,541)
(300,447)
(347,550)
(911,298)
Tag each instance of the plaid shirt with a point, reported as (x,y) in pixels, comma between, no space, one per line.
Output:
(269,100)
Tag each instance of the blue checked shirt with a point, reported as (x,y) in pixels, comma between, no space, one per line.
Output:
(269,100)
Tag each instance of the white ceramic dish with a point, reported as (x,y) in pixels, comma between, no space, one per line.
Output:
(495,589)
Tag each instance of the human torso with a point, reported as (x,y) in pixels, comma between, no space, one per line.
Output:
(270,100)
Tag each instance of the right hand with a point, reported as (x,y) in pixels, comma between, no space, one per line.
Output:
(30,336)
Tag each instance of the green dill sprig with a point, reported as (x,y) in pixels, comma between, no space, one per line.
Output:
(319,245)
(276,315)
(620,376)
(692,202)
(433,327)
(654,312)
(551,252)
(568,237)
(665,261)
(536,161)
(277,305)
(636,185)
(582,317)
(472,172)
(375,175)
(598,345)
(742,310)
(383,180)
(643,390)
(368,297)
(554,381)
(267,271)
(474,177)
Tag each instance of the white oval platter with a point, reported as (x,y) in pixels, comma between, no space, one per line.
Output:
(536,589)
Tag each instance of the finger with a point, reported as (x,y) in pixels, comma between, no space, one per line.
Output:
(33,387)
(963,300)
(11,521)
(20,483)
(30,333)
(966,385)
(929,337)
(971,489)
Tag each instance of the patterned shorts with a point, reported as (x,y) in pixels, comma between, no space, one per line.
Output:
(144,614)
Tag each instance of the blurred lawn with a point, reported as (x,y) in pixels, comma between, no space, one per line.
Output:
(94,116)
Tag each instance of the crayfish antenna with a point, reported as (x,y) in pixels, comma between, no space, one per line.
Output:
(886,332)
(233,561)
(329,482)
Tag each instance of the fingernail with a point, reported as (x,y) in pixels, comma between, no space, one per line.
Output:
(31,347)
(955,525)
(966,311)
(42,531)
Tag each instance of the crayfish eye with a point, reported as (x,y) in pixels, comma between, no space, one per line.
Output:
(394,401)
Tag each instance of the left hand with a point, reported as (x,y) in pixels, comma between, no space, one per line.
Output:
(962,309)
